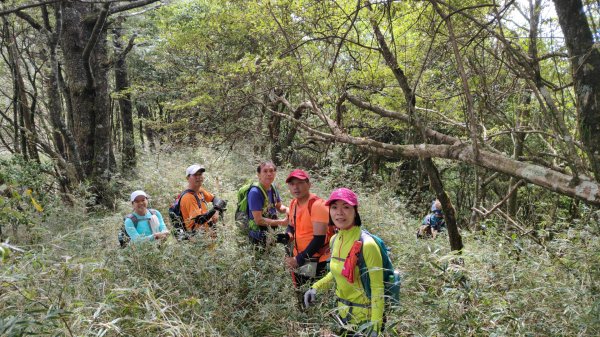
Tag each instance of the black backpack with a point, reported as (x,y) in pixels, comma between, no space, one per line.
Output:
(123,236)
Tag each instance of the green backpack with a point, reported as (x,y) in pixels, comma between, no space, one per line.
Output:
(242,213)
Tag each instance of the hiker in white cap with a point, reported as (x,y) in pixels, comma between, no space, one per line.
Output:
(193,201)
(143,224)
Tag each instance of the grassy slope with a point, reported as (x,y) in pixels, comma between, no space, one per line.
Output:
(78,282)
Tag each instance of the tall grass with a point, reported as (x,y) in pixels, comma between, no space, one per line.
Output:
(76,281)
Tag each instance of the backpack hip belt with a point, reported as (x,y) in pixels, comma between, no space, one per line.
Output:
(352,304)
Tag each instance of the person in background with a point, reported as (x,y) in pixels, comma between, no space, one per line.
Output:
(194,201)
(263,204)
(433,222)
(144,224)
(308,230)
(354,306)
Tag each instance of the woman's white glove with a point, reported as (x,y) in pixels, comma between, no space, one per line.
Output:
(309,296)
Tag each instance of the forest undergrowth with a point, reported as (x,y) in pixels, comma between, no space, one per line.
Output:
(72,279)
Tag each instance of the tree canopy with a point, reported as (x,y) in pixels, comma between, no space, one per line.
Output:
(508,89)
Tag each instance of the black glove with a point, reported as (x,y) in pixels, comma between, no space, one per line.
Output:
(202,218)
(283,238)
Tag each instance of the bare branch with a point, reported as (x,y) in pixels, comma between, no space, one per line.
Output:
(29,20)
(122,16)
(512,191)
(463,76)
(443,138)
(37,4)
(339,47)
(127,49)
(131,5)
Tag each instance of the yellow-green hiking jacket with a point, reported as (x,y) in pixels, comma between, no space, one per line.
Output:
(363,310)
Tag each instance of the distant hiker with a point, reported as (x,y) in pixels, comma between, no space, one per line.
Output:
(142,224)
(433,222)
(355,306)
(193,202)
(308,230)
(263,204)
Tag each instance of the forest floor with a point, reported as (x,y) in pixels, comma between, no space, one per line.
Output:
(76,281)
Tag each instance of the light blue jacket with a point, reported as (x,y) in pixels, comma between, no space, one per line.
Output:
(143,232)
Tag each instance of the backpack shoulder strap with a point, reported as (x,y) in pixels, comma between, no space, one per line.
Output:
(311,201)
(332,241)
(202,191)
(260,188)
(266,202)
(185,191)
(362,265)
(264,193)
(133,218)
(180,196)
(362,239)
(294,205)
(193,193)
(364,236)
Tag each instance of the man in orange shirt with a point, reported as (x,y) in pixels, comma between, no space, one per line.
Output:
(194,200)
(309,219)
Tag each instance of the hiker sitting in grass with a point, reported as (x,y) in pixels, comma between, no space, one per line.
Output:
(264,203)
(144,224)
(309,230)
(194,202)
(433,223)
(354,306)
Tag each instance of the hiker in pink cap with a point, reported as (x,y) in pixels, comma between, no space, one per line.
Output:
(356,309)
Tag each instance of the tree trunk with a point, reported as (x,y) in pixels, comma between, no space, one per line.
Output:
(585,65)
(145,115)
(274,136)
(62,134)
(428,164)
(28,137)
(128,161)
(523,113)
(84,49)
(449,212)
(518,140)
(279,144)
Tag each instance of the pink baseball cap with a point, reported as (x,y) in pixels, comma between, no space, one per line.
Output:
(343,194)
(298,174)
